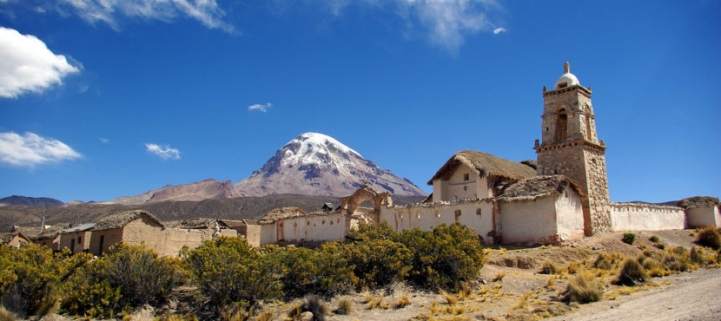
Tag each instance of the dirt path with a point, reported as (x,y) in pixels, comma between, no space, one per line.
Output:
(691,296)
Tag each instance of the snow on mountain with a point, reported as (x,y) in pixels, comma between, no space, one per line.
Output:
(317,164)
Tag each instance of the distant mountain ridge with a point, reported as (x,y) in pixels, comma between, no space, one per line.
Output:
(317,164)
(29,201)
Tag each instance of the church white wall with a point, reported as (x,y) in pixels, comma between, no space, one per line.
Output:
(569,217)
(428,216)
(646,217)
(532,221)
(704,216)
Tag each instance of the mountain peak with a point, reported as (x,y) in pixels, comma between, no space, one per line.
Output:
(317,164)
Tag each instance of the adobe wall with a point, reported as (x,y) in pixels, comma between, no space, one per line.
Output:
(53,243)
(66,240)
(175,239)
(531,221)
(312,228)
(569,218)
(646,217)
(477,215)
(110,237)
(703,216)
(145,230)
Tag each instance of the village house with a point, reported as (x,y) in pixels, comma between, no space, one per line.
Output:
(15,239)
(77,238)
(50,236)
(131,227)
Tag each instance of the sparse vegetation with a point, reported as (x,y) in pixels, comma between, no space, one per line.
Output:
(583,289)
(709,237)
(345,307)
(549,268)
(629,238)
(632,273)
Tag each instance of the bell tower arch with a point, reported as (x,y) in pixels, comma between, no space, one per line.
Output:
(570,146)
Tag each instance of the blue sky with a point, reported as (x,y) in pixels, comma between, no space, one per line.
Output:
(100,99)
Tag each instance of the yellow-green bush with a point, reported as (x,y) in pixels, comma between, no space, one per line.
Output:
(377,263)
(323,271)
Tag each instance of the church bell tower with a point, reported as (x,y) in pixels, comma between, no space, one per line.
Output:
(570,146)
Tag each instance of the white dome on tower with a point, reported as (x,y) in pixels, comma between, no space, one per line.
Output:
(567,79)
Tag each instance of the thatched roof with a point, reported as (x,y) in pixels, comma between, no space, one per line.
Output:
(6,238)
(201,223)
(281,213)
(123,218)
(485,165)
(233,223)
(53,231)
(698,201)
(539,186)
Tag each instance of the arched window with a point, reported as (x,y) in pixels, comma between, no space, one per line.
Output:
(561,125)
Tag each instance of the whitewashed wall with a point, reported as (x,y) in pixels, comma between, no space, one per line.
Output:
(646,217)
(457,188)
(569,217)
(477,215)
(532,221)
(704,216)
(330,227)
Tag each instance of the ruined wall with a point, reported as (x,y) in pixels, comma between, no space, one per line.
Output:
(646,217)
(477,215)
(703,216)
(175,239)
(531,221)
(312,228)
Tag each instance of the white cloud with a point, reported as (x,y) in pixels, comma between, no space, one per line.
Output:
(498,30)
(31,149)
(262,108)
(27,65)
(110,11)
(164,152)
(103,140)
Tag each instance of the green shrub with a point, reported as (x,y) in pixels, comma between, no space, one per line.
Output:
(583,289)
(228,272)
(654,239)
(709,237)
(323,271)
(140,274)
(629,238)
(89,293)
(448,254)
(378,263)
(29,279)
(631,273)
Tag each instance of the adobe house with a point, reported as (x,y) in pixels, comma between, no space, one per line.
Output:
(50,237)
(131,227)
(470,174)
(77,238)
(15,239)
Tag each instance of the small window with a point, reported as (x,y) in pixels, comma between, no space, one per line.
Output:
(478,211)
(418,215)
(80,239)
(458,213)
(438,213)
(466,177)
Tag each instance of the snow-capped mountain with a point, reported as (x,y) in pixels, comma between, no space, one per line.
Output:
(317,164)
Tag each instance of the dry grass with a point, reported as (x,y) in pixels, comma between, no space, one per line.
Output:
(584,288)
(345,307)
(403,302)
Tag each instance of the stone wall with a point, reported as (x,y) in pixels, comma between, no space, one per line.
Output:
(646,217)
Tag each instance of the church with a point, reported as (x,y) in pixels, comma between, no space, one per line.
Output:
(559,199)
